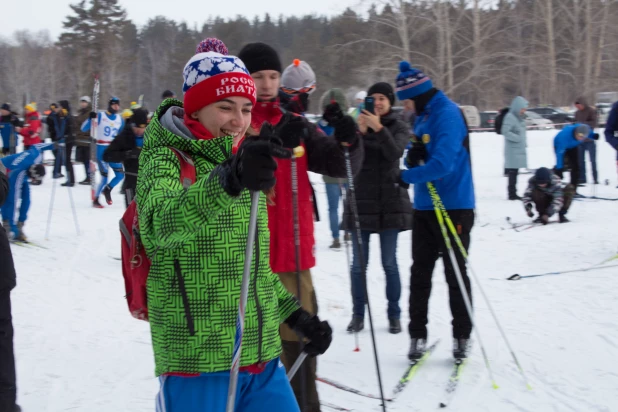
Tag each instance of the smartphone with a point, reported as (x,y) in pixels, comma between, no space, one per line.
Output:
(369,104)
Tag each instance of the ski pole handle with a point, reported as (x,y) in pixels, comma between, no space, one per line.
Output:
(296,365)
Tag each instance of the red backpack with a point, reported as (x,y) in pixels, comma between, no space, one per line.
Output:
(135,263)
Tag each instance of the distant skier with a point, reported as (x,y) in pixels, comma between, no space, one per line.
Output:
(565,146)
(109,124)
(547,193)
(8,382)
(19,166)
(126,147)
(10,125)
(31,132)
(83,139)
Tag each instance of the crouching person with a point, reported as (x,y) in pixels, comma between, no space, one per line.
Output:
(548,194)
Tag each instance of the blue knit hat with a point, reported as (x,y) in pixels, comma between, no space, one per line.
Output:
(411,82)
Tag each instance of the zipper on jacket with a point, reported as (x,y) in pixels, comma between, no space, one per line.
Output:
(255,294)
(185,298)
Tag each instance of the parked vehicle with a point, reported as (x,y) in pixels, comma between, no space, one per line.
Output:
(488,119)
(472,116)
(537,122)
(558,116)
(602,113)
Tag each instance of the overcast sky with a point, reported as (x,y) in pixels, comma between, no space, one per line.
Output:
(49,14)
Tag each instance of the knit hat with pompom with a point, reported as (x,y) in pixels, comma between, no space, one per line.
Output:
(411,82)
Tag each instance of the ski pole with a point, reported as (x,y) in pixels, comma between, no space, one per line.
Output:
(73,209)
(460,281)
(298,152)
(57,161)
(242,304)
(464,253)
(359,241)
(296,366)
(344,191)
(595,267)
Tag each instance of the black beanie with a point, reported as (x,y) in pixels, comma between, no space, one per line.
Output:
(383,88)
(139,118)
(542,175)
(260,56)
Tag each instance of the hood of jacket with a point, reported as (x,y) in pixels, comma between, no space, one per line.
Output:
(517,104)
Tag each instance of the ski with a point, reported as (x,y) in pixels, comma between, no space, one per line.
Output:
(453,382)
(334,407)
(412,370)
(349,389)
(582,197)
(27,243)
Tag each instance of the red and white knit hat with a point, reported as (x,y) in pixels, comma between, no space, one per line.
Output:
(210,77)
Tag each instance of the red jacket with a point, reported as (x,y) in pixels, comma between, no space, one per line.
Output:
(32,129)
(322,155)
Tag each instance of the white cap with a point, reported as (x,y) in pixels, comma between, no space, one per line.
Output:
(361,95)
(85,99)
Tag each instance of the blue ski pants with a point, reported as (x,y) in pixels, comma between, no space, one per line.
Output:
(268,391)
(104,170)
(19,197)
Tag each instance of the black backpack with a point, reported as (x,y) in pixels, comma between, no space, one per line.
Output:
(498,120)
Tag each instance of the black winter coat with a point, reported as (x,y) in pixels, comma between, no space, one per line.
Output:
(123,149)
(382,203)
(7,269)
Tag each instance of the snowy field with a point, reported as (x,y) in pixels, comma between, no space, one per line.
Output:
(78,349)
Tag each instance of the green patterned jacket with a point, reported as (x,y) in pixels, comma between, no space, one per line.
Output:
(196,239)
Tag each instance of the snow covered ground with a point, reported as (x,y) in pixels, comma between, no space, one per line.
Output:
(78,349)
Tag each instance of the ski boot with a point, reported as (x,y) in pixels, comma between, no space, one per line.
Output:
(86,181)
(20,235)
(563,218)
(107,192)
(36,182)
(394,326)
(514,197)
(336,244)
(418,347)
(356,324)
(96,204)
(461,347)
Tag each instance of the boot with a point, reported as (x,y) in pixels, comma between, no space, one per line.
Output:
(96,204)
(336,244)
(68,184)
(36,182)
(346,237)
(20,236)
(86,181)
(563,218)
(356,324)
(107,192)
(514,197)
(394,326)
(418,346)
(461,347)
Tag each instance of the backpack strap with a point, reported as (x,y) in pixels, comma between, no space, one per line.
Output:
(187,168)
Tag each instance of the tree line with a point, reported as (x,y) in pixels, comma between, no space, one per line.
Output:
(480,52)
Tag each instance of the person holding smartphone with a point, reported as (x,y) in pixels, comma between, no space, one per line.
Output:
(383,204)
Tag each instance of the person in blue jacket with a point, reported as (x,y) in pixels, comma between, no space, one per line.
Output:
(439,154)
(19,167)
(611,130)
(566,145)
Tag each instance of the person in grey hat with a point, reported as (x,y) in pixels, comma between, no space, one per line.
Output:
(566,143)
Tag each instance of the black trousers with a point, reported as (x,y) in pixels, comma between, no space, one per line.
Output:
(512,187)
(571,160)
(68,165)
(542,200)
(427,245)
(8,391)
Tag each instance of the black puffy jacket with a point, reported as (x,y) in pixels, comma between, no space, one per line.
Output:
(382,203)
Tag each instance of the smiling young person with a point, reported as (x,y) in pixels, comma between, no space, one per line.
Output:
(195,238)
(322,154)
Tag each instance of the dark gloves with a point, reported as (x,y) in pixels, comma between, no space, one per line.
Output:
(299,103)
(595,136)
(93,115)
(544,219)
(319,333)
(345,127)
(290,130)
(529,210)
(416,155)
(253,167)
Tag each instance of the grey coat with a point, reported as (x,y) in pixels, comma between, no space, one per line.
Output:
(514,132)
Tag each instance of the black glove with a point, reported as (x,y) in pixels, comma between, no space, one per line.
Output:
(529,210)
(416,155)
(558,172)
(544,219)
(298,103)
(595,136)
(318,332)
(93,115)
(290,130)
(333,114)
